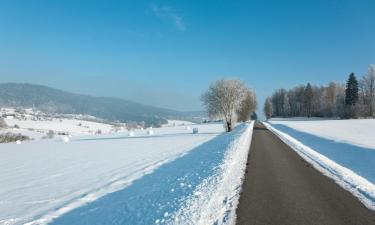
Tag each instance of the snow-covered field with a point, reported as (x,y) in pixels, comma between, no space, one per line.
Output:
(360,132)
(172,123)
(47,179)
(37,129)
(341,149)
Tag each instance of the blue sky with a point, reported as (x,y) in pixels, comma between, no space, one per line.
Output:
(166,53)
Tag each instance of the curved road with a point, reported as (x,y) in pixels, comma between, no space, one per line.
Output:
(280,188)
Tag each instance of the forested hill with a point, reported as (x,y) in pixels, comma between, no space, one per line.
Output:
(52,100)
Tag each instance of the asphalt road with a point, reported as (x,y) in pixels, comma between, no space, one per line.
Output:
(281,188)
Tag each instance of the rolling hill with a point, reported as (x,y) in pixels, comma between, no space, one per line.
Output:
(52,100)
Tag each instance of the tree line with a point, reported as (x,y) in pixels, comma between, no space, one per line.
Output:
(354,99)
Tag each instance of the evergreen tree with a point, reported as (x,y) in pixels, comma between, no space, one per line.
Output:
(351,91)
(351,97)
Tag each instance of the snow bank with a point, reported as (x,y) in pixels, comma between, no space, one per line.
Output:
(358,132)
(359,186)
(215,200)
(44,179)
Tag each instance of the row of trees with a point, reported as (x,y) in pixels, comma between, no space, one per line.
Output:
(230,100)
(353,100)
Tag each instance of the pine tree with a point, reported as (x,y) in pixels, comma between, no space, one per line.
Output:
(351,91)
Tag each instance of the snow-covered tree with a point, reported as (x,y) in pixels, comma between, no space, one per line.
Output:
(330,100)
(268,109)
(278,99)
(368,92)
(248,106)
(223,99)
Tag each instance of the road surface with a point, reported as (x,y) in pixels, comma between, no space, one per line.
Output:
(281,188)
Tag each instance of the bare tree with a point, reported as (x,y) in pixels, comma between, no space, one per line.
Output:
(248,106)
(268,109)
(368,92)
(223,99)
(319,101)
(329,100)
(308,100)
(286,105)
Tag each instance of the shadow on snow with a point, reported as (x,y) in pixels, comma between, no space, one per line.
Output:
(144,136)
(358,159)
(156,195)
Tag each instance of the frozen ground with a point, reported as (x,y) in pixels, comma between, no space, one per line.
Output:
(341,149)
(44,179)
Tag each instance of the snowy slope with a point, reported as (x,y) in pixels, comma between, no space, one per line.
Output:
(49,178)
(358,132)
(334,147)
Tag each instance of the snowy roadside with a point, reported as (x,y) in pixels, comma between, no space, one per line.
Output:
(360,187)
(201,187)
(215,200)
(357,132)
(45,179)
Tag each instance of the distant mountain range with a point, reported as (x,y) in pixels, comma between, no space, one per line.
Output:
(51,100)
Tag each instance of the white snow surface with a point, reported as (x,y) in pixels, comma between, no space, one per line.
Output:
(37,128)
(215,200)
(329,164)
(44,179)
(360,132)
(172,123)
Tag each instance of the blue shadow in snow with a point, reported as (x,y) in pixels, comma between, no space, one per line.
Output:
(152,196)
(145,137)
(358,159)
